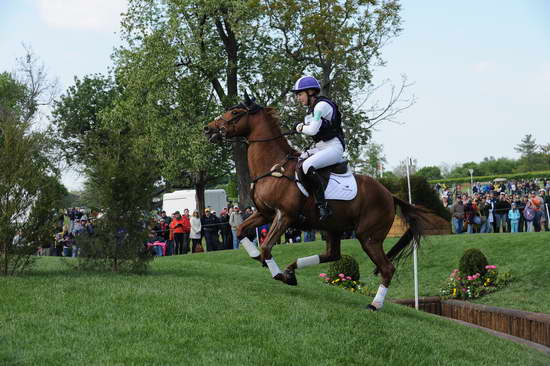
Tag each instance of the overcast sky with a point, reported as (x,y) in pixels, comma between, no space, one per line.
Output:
(481,69)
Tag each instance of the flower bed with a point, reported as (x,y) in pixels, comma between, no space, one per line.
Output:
(347,283)
(460,286)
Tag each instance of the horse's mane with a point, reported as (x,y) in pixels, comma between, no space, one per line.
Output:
(273,117)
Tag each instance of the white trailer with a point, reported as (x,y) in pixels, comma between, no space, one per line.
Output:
(214,199)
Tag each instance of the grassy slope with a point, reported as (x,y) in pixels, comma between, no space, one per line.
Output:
(525,255)
(222,308)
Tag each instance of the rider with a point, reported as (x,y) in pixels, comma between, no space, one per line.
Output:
(323,124)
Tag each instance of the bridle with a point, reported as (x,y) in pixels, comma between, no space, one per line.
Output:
(236,118)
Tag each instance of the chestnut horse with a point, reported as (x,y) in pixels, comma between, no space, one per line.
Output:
(272,163)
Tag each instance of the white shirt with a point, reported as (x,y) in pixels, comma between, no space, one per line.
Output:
(312,121)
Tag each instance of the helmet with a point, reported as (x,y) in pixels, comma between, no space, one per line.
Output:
(306,82)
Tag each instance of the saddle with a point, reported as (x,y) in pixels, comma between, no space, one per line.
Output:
(324,173)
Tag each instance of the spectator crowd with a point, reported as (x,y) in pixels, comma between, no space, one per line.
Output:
(183,233)
(512,206)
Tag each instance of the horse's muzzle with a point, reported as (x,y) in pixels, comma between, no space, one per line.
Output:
(213,134)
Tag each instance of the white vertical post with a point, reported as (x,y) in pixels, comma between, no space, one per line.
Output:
(547,214)
(415,258)
(471,181)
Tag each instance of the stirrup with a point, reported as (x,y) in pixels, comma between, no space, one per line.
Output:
(324,212)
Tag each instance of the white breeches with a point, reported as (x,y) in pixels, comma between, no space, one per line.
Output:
(323,154)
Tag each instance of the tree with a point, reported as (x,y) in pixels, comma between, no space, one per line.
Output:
(30,191)
(76,115)
(174,106)
(527,147)
(430,172)
(371,161)
(340,42)
(264,47)
(122,176)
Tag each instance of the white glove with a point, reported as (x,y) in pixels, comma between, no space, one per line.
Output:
(304,155)
(299,127)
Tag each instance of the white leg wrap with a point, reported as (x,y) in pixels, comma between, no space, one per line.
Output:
(273,267)
(308,261)
(250,248)
(378,301)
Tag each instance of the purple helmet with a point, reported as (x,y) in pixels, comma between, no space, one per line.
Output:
(306,82)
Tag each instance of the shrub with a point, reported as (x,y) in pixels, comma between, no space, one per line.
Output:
(473,261)
(345,265)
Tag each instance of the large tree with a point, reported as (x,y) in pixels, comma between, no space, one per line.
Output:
(175,105)
(264,46)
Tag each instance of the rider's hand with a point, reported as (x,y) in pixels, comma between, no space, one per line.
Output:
(299,127)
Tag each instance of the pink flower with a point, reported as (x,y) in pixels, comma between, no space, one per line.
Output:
(341,275)
(348,278)
(322,275)
(490,266)
(464,290)
(470,278)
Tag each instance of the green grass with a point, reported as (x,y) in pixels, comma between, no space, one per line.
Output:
(525,255)
(223,309)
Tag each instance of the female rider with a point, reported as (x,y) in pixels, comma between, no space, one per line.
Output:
(323,124)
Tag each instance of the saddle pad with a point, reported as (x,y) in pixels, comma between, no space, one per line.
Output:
(341,187)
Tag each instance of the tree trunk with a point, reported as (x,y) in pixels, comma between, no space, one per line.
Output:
(243,174)
(200,186)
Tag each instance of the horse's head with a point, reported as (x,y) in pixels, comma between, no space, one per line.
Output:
(233,122)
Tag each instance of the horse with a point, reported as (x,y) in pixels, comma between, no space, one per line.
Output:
(277,198)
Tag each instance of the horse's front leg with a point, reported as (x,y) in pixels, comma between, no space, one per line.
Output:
(254,220)
(280,223)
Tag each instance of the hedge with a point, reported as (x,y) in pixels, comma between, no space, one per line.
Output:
(490,178)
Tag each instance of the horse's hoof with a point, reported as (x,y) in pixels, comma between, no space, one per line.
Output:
(371,307)
(287,277)
(290,278)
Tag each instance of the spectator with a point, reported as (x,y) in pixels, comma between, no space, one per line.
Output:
(502,206)
(165,225)
(186,231)
(544,208)
(225,229)
(536,203)
(195,233)
(235,219)
(263,235)
(180,226)
(209,224)
(457,213)
(514,215)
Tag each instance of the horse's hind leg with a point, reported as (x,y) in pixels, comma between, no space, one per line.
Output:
(331,254)
(375,250)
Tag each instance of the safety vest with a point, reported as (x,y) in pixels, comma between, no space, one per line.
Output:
(329,129)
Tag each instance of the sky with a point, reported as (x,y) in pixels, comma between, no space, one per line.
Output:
(480,69)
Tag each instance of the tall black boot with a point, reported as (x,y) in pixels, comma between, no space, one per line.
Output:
(315,186)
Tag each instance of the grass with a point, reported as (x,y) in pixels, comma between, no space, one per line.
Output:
(223,308)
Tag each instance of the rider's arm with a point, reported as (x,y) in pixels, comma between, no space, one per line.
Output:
(313,122)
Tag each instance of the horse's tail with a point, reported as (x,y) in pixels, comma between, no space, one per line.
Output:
(418,220)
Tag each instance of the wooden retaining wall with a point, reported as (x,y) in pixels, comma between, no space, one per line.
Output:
(534,327)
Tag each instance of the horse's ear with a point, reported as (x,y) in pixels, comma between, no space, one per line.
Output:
(247,100)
